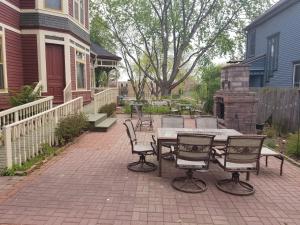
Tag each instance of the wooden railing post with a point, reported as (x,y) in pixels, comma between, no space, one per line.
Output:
(8,146)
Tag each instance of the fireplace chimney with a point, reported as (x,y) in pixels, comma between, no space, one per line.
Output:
(234,104)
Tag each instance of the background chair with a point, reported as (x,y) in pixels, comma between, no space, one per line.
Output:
(143,120)
(192,153)
(140,149)
(206,122)
(171,121)
(241,154)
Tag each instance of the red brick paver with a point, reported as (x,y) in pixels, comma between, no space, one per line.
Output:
(90,184)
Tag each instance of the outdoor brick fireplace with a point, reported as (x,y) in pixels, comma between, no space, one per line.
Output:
(234,104)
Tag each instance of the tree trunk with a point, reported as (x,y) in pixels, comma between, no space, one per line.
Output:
(165,89)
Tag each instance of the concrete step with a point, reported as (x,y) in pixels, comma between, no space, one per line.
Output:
(105,125)
(97,118)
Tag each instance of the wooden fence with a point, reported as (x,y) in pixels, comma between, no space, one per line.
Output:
(21,112)
(23,139)
(105,97)
(280,105)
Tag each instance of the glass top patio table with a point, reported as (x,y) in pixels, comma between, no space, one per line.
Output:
(170,135)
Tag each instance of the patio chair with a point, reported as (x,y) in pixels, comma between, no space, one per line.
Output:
(206,122)
(174,108)
(171,121)
(192,153)
(241,154)
(140,149)
(143,120)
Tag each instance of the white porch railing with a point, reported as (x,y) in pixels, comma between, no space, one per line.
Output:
(105,97)
(23,139)
(38,88)
(68,93)
(21,112)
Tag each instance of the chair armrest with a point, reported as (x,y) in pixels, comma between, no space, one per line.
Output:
(218,151)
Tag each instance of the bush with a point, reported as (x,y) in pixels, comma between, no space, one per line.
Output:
(71,127)
(46,152)
(109,109)
(292,143)
(149,109)
(270,143)
(270,132)
(25,95)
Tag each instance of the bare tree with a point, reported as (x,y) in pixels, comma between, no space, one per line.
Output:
(176,35)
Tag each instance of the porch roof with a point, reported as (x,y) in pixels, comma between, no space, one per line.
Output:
(102,53)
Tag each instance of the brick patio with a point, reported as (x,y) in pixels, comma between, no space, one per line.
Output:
(90,184)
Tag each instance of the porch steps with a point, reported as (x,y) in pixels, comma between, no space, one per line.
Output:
(100,123)
(97,118)
(105,125)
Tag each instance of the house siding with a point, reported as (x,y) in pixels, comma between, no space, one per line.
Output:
(9,16)
(71,7)
(27,4)
(30,59)
(85,94)
(15,2)
(86,14)
(40,20)
(287,24)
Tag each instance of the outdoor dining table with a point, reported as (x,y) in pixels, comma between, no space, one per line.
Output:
(170,135)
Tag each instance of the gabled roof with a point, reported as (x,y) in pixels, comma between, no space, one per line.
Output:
(273,11)
(103,53)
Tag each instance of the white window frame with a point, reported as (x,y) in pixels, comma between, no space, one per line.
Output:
(83,61)
(79,11)
(295,65)
(2,35)
(56,10)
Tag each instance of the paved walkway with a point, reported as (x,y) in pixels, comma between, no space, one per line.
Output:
(90,184)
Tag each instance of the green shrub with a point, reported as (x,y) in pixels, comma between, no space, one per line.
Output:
(46,151)
(270,132)
(149,109)
(270,143)
(109,109)
(71,127)
(25,95)
(292,143)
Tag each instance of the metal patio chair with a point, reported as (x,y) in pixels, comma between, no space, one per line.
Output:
(192,153)
(140,149)
(143,120)
(171,121)
(206,122)
(241,155)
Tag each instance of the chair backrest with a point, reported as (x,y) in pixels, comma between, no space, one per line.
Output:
(172,121)
(194,147)
(130,131)
(243,149)
(138,111)
(206,122)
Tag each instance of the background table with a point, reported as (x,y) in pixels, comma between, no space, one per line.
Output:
(170,135)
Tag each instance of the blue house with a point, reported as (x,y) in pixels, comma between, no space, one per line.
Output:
(273,46)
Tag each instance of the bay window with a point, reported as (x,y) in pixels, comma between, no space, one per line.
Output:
(79,10)
(80,68)
(53,4)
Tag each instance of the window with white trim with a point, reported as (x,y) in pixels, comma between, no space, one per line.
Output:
(79,10)
(53,4)
(80,68)
(2,81)
(297,75)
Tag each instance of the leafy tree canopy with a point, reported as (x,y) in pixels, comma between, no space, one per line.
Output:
(177,36)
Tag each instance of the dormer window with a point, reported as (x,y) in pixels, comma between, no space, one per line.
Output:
(79,10)
(53,4)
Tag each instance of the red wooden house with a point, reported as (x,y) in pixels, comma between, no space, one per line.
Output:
(45,41)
